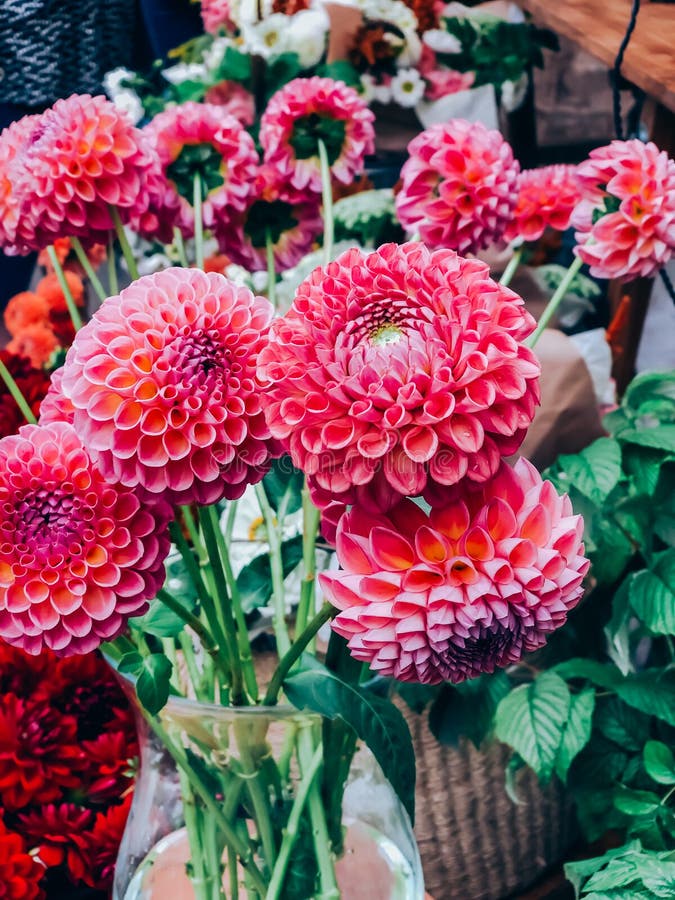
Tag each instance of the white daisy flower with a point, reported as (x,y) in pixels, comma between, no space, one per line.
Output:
(441,41)
(268,38)
(407,87)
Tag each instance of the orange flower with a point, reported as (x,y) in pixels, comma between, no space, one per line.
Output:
(25,309)
(217,262)
(62,248)
(50,289)
(36,342)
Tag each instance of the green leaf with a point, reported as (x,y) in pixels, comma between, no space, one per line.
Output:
(130,664)
(644,465)
(468,709)
(153,683)
(159,621)
(577,731)
(649,386)
(255,579)
(661,437)
(622,724)
(532,720)
(378,723)
(614,550)
(340,70)
(602,674)
(617,630)
(577,873)
(652,594)
(235,66)
(651,691)
(659,762)
(594,471)
(283,486)
(636,803)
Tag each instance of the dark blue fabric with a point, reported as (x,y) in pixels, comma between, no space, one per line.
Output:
(170,23)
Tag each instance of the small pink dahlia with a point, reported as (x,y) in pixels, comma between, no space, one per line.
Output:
(546,199)
(459,188)
(164,387)
(626,219)
(13,141)
(471,586)
(293,227)
(305,111)
(201,139)
(55,407)
(216,16)
(402,362)
(80,157)
(78,556)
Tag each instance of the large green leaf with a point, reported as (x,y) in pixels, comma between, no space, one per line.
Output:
(577,731)
(532,720)
(618,629)
(159,620)
(468,709)
(652,594)
(153,682)
(375,720)
(594,471)
(659,762)
(660,437)
(602,674)
(255,579)
(650,386)
(283,486)
(644,465)
(651,691)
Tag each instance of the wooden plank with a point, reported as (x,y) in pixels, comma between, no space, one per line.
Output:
(599,26)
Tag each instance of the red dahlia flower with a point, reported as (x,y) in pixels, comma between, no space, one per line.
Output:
(39,752)
(546,199)
(33,384)
(305,111)
(483,578)
(164,386)
(401,362)
(292,227)
(79,555)
(20,873)
(459,186)
(78,159)
(626,220)
(201,139)
(56,833)
(102,843)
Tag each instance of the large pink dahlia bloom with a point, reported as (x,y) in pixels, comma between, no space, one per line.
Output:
(546,199)
(459,186)
(78,555)
(402,362)
(164,387)
(305,111)
(78,159)
(468,587)
(626,220)
(200,138)
(293,227)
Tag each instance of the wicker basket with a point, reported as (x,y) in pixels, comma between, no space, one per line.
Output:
(474,842)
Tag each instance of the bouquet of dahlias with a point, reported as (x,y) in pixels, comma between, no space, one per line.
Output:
(379,410)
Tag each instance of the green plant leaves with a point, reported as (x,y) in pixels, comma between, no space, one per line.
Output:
(283,487)
(545,724)
(627,873)
(467,709)
(255,579)
(595,471)
(375,720)
(153,678)
(652,594)
(659,762)
(651,691)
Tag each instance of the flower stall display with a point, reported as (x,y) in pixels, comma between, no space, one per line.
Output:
(381,405)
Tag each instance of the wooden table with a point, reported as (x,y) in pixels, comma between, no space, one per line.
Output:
(598,26)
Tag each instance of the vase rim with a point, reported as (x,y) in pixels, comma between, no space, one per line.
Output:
(183,705)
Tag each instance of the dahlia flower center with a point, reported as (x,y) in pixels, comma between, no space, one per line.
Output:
(388,333)
(486,648)
(309,130)
(269,218)
(385,320)
(46,520)
(196,159)
(198,358)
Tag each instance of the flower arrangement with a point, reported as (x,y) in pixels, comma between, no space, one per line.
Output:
(380,407)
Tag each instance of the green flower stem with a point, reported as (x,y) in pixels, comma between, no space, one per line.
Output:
(255,785)
(243,642)
(88,268)
(317,814)
(327,195)
(513,264)
(193,531)
(297,649)
(196,624)
(555,301)
(311,518)
(199,220)
(113,287)
(14,390)
(208,519)
(213,854)
(232,874)
(74,312)
(238,845)
(271,270)
(292,828)
(180,247)
(229,520)
(277,570)
(124,243)
(191,816)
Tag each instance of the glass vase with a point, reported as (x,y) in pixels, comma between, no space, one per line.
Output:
(256,764)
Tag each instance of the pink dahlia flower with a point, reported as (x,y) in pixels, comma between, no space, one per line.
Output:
(546,199)
(13,141)
(200,138)
(79,555)
(293,227)
(55,407)
(626,219)
(164,387)
(79,158)
(459,186)
(305,111)
(234,99)
(216,16)
(402,362)
(441,81)
(471,586)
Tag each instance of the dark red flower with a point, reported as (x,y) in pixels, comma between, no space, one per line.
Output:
(39,752)
(20,874)
(33,384)
(23,674)
(102,843)
(85,687)
(108,773)
(57,835)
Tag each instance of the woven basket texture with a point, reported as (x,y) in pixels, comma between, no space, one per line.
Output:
(475,843)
